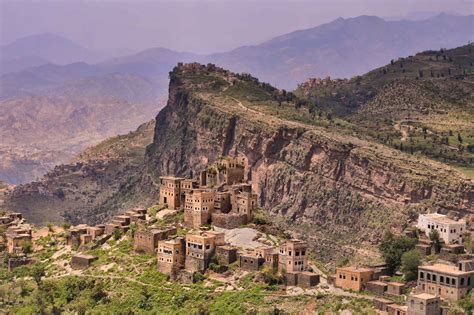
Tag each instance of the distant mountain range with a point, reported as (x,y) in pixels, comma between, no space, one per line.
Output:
(41,71)
(341,48)
(39,49)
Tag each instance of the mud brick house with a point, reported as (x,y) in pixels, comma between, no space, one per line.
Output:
(200,248)
(147,240)
(450,231)
(80,261)
(353,278)
(450,282)
(293,256)
(170,191)
(226,255)
(377,287)
(423,304)
(199,206)
(171,255)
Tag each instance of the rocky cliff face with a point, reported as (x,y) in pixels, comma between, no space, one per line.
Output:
(333,189)
(315,178)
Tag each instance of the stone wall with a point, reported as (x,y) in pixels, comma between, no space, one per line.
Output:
(228,220)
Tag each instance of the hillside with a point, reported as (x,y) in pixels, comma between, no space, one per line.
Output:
(311,174)
(47,129)
(421,104)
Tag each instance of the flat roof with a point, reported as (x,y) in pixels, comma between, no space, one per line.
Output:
(440,218)
(354,269)
(424,296)
(377,282)
(444,269)
(396,284)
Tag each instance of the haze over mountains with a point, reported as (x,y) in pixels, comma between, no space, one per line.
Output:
(49,73)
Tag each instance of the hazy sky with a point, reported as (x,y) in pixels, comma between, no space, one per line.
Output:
(200,26)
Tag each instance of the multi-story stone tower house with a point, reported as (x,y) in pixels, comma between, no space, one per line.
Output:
(171,255)
(170,191)
(199,206)
(200,248)
(293,256)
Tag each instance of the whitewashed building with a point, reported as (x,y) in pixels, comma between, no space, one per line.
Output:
(450,231)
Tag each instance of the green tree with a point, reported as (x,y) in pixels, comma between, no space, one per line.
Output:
(469,244)
(117,234)
(37,272)
(27,247)
(410,262)
(392,248)
(434,237)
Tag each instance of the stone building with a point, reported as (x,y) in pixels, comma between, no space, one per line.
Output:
(226,255)
(146,240)
(171,255)
(250,262)
(396,309)
(377,287)
(270,256)
(200,248)
(80,261)
(450,231)
(225,171)
(170,191)
(16,242)
(423,304)
(447,281)
(73,235)
(199,206)
(353,278)
(293,256)
(395,288)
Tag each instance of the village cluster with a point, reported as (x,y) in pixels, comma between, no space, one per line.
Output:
(219,199)
(443,280)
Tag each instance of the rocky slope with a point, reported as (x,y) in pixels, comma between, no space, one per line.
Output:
(421,104)
(320,181)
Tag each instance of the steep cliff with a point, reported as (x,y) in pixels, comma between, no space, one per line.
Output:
(311,173)
(327,184)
